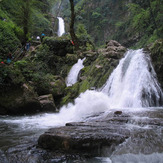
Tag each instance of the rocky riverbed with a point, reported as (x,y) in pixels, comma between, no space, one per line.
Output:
(110,134)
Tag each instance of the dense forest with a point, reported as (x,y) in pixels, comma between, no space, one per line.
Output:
(132,23)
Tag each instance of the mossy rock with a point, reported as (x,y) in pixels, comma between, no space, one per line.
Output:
(57,86)
(59,47)
(70,94)
(19,100)
(156,50)
(71,59)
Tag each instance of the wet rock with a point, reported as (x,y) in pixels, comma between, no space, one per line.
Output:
(90,57)
(86,137)
(47,102)
(57,86)
(80,138)
(19,100)
(118,112)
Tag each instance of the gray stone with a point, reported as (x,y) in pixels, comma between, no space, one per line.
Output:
(47,102)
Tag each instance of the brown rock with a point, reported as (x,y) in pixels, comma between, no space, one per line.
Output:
(47,102)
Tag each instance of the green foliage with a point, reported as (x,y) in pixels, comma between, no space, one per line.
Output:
(30,15)
(8,38)
(96,15)
(81,32)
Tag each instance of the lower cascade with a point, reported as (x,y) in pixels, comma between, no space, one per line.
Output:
(134,83)
(73,74)
(127,110)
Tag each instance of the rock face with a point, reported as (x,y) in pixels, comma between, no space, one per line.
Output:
(47,103)
(59,47)
(156,51)
(19,100)
(114,50)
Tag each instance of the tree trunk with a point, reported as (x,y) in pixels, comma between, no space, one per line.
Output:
(72,33)
(26,19)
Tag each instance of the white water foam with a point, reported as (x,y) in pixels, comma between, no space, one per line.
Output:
(61,27)
(86,104)
(132,158)
(73,74)
(138,158)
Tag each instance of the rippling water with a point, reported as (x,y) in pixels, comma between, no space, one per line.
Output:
(20,133)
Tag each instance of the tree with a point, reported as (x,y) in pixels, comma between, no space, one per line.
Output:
(23,17)
(72,33)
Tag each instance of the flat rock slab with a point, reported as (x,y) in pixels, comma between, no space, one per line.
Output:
(89,137)
(82,138)
(95,136)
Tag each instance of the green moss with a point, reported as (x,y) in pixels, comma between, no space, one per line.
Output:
(84,86)
(71,93)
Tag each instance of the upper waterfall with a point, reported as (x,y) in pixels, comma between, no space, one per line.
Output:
(134,83)
(61,27)
(73,74)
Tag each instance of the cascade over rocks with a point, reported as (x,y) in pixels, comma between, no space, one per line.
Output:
(97,68)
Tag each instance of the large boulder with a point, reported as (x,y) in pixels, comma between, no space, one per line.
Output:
(71,59)
(91,137)
(19,100)
(114,50)
(47,103)
(57,86)
(104,135)
(60,47)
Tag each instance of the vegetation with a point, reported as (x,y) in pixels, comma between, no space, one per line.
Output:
(133,23)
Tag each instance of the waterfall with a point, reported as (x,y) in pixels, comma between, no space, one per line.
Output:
(73,74)
(61,27)
(133,83)
(131,86)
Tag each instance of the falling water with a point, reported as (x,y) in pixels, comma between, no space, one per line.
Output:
(134,83)
(61,27)
(73,74)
